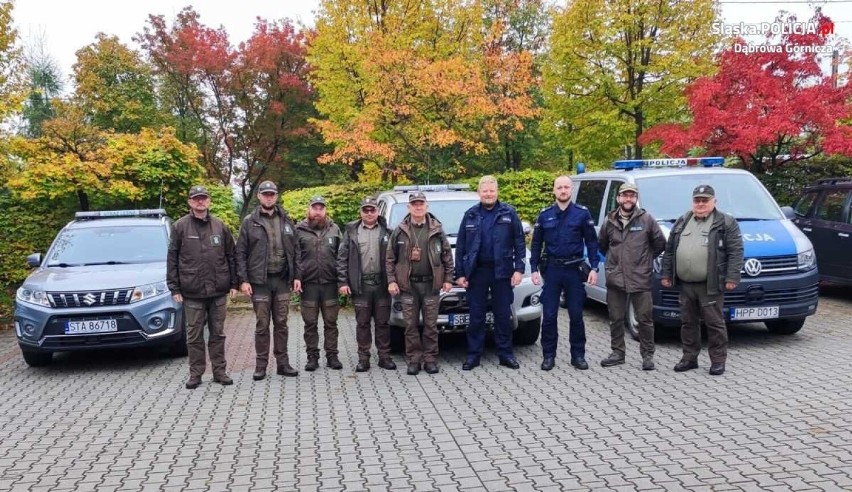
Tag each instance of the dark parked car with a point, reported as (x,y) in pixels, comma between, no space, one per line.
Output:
(823,214)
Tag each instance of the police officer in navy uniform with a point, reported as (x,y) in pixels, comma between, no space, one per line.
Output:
(490,254)
(561,233)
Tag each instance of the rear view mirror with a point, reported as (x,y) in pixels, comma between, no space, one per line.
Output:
(788,212)
(34,260)
(527,227)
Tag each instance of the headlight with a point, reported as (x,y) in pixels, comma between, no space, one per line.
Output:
(37,297)
(148,291)
(807,260)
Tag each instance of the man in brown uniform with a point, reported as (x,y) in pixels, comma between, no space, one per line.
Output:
(419,265)
(316,279)
(361,273)
(266,264)
(705,254)
(630,238)
(201,273)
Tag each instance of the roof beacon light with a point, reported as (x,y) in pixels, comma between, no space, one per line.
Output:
(104,214)
(660,163)
(434,187)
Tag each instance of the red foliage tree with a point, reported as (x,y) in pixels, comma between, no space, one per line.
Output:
(245,107)
(769,104)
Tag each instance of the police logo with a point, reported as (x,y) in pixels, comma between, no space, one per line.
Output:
(637,229)
(331,241)
(287,229)
(216,240)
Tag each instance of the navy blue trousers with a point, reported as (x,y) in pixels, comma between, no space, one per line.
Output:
(557,279)
(479,284)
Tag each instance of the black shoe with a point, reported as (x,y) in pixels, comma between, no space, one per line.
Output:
(613,359)
(510,363)
(685,365)
(430,368)
(548,363)
(413,368)
(333,362)
(717,368)
(259,374)
(363,366)
(313,364)
(224,380)
(648,364)
(387,364)
(470,364)
(287,370)
(193,382)
(580,363)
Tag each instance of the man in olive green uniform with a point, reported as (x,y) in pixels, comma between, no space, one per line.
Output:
(201,272)
(361,273)
(316,279)
(630,238)
(704,255)
(419,266)
(266,265)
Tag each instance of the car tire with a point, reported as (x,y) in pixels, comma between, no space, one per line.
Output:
(785,326)
(397,339)
(37,359)
(630,322)
(527,332)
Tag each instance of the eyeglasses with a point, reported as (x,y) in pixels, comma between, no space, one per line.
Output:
(200,198)
(369,210)
(700,200)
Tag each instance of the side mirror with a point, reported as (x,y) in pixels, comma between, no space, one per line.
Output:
(34,260)
(527,227)
(788,212)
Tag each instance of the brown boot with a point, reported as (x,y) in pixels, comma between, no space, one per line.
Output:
(313,363)
(333,362)
(287,370)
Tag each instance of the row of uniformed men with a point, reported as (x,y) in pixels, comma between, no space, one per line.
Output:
(273,257)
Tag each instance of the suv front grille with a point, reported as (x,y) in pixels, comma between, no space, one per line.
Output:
(775,296)
(90,299)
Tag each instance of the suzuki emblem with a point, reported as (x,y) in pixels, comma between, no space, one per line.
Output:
(753,267)
(89,299)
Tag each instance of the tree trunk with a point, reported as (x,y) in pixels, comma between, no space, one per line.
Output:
(639,119)
(83,198)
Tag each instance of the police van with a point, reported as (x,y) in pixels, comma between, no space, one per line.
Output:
(780,283)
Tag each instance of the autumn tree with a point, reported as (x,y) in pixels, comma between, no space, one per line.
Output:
(246,107)
(12,83)
(618,67)
(407,87)
(44,79)
(115,87)
(769,104)
(74,158)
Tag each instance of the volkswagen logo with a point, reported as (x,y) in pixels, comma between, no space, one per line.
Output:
(90,299)
(753,267)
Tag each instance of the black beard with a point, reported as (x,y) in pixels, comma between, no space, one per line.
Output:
(267,209)
(317,223)
(625,211)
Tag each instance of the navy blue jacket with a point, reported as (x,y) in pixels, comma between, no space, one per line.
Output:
(507,241)
(577,230)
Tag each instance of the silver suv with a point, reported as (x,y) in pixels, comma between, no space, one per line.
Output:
(102,284)
(449,203)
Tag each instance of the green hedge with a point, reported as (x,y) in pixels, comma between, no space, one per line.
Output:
(787,183)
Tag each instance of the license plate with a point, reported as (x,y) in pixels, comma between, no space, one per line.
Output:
(463,319)
(749,313)
(91,326)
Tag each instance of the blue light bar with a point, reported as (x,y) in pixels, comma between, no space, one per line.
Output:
(661,163)
(107,214)
(434,187)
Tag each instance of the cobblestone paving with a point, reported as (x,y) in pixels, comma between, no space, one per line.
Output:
(779,419)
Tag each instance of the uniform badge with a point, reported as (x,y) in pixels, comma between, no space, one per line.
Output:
(216,240)
(287,229)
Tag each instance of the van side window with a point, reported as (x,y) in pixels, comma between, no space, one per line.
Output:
(612,197)
(831,208)
(803,206)
(591,195)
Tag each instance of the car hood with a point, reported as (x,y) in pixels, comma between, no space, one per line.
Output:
(765,238)
(98,277)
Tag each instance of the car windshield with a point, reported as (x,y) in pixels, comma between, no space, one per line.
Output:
(109,245)
(449,212)
(741,195)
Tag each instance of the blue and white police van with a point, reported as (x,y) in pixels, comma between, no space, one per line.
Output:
(780,283)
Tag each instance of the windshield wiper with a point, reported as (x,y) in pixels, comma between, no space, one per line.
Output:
(62,265)
(111,262)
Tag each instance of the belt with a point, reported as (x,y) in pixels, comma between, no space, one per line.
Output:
(371,276)
(566,261)
(420,278)
(485,264)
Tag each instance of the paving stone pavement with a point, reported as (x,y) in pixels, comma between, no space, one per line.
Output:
(779,419)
